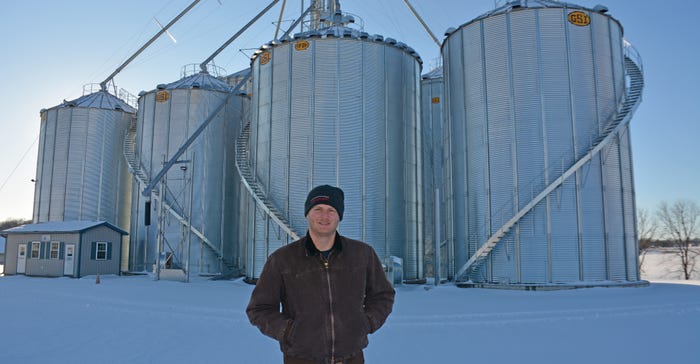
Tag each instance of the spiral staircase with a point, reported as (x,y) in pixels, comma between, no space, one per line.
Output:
(618,122)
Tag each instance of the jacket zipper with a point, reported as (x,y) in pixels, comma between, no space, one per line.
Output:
(330,302)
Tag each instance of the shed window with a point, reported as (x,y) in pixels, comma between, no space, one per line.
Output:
(101,253)
(101,250)
(55,246)
(36,248)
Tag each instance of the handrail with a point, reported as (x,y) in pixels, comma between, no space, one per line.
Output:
(250,183)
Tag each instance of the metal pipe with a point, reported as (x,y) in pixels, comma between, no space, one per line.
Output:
(147,191)
(437,266)
(189,222)
(296,22)
(103,84)
(203,65)
(279,20)
(425,26)
(315,21)
(159,236)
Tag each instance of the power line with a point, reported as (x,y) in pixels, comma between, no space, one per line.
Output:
(18,163)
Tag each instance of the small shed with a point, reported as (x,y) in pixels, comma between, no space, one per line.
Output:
(2,251)
(63,248)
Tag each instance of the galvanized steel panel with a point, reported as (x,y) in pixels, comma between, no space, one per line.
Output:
(279,137)
(47,139)
(614,212)
(350,133)
(432,120)
(76,185)
(60,163)
(534,245)
(375,141)
(628,202)
(564,233)
(592,222)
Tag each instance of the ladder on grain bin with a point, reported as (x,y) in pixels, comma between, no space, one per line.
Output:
(139,173)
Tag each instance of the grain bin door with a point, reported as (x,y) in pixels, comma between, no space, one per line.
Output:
(69,261)
(21,258)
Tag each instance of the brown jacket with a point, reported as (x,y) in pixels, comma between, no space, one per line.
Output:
(328,307)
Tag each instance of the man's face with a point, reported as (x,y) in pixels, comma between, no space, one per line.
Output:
(323,220)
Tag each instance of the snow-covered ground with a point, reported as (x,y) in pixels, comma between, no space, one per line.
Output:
(133,319)
(665,264)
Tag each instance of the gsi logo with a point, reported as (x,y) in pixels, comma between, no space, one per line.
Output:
(579,18)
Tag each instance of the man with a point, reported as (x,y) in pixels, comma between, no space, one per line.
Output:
(332,289)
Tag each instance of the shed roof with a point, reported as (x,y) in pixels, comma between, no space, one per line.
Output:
(60,227)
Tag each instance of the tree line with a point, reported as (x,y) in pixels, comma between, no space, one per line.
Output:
(12,222)
(675,225)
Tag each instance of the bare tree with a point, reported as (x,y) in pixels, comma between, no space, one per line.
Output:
(12,222)
(679,222)
(646,233)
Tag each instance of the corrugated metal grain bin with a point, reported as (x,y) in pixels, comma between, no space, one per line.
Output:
(235,78)
(81,171)
(337,106)
(531,88)
(200,189)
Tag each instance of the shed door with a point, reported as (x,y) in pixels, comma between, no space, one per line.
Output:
(21,258)
(69,261)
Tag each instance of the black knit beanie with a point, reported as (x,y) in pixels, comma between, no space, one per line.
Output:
(327,195)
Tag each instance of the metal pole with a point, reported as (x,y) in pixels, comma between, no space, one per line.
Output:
(437,266)
(203,65)
(279,20)
(317,6)
(103,84)
(189,222)
(183,148)
(302,9)
(296,22)
(425,26)
(145,251)
(159,239)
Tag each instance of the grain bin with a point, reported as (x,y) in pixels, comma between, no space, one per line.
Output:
(539,95)
(200,189)
(235,78)
(81,172)
(335,106)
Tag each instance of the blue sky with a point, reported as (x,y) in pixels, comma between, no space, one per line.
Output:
(50,49)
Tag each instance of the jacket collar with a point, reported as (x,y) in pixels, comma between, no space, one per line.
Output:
(311,248)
